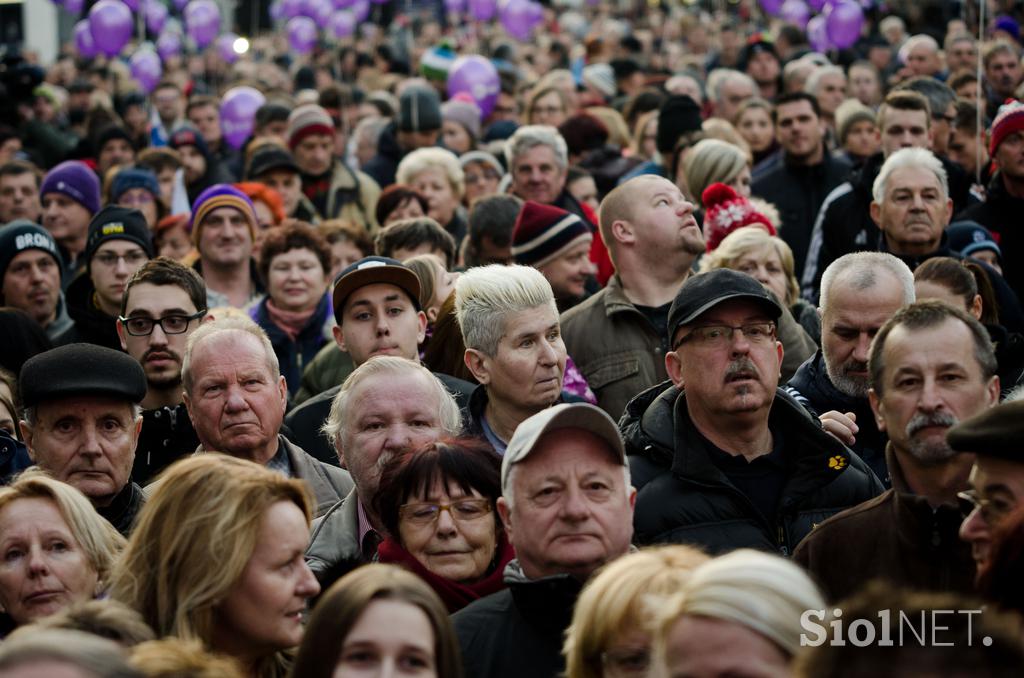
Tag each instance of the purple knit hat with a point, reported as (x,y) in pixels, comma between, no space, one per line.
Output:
(74,179)
(221,195)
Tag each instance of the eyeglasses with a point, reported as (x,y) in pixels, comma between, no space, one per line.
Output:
(548,110)
(721,335)
(488,175)
(626,663)
(109,259)
(427,513)
(132,200)
(991,510)
(170,324)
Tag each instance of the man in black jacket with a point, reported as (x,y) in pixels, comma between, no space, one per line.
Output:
(720,456)
(860,291)
(82,423)
(807,173)
(843,223)
(567,507)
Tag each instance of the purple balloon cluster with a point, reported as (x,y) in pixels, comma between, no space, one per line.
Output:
(110,26)
(238,112)
(836,24)
(202,21)
(146,69)
(519,17)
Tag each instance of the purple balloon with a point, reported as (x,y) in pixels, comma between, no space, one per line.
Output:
(226,47)
(302,34)
(237,112)
(83,40)
(133,5)
(156,16)
(74,6)
(202,21)
(771,7)
(321,11)
(168,45)
(361,8)
(843,23)
(291,8)
(816,5)
(146,69)
(483,10)
(341,4)
(342,24)
(817,34)
(110,22)
(795,12)
(180,4)
(477,77)
(455,6)
(517,18)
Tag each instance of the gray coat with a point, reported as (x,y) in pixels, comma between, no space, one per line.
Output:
(334,546)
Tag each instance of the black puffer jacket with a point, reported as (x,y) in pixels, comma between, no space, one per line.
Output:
(814,390)
(684,498)
(92,326)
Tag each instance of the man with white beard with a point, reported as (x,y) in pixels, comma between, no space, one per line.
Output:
(931,366)
(859,292)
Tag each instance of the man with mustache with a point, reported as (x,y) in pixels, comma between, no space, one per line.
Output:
(721,457)
(163,303)
(859,292)
(931,366)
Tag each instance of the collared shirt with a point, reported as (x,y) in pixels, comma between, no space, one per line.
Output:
(280,462)
(497,443)
(369,538)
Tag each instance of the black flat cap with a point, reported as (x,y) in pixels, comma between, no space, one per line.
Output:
(81,369)
(995,432)
(701,293)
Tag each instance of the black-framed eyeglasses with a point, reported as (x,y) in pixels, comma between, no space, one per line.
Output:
(176,323)
(427,513)
(991,510)
(721,335)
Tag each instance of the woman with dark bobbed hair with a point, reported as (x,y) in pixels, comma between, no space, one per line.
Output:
(438,505)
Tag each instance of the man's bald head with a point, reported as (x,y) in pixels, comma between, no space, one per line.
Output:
(620,203)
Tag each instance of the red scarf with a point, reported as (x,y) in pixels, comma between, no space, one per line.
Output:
(290,322)
(455,595)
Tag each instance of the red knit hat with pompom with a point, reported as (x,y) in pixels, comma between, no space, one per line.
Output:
(725,211)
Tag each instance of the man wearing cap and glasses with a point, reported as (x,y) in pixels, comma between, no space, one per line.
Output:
(376,304)
(930,366)
(81,424)
(567,507)
(722,457)
(163,303)
(997,477)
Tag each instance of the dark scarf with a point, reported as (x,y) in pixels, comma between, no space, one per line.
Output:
(455,595)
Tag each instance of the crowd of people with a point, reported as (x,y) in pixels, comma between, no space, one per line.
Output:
(686,338)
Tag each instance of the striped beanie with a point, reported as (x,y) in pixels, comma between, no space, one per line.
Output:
(544,232)
(74,179)
(1010,119)
(307,120)
(221,195)
(437,61)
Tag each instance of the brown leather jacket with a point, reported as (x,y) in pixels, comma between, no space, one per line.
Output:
(896,537)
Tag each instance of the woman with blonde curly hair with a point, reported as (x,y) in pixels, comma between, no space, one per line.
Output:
(55,549)
(435,173)
(610,635)
(217,556)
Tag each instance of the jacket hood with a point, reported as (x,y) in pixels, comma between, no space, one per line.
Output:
(91,323)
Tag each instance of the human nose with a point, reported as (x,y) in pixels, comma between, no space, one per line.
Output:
(383,327)
(235,402)
(158,336)
(863,348)
(974,528)
(307,586)
(89,443)
(38,565)
(930,399)
(574,506)
(398,438)
(445,523)
(685,207)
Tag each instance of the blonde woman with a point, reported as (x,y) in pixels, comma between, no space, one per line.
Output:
(714,161)
(610,635)
(217,556)
(55,550)
(435,173)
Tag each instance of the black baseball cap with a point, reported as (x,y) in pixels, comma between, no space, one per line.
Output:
(371,270)
(701,293)
(270,157)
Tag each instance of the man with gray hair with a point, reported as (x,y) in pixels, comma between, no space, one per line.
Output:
(727,90)
(514,347)
(931,366)
(567,507)
(236,398)
(827,84)
(387,406)
(538,162)
(920,55)
(859,292)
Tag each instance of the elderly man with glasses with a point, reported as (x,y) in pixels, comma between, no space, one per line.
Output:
(163,303)
(721,456)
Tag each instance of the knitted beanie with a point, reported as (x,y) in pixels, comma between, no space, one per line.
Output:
(419,109)
(602,78)
(134,177)
(543,233)
(465,113)
(118,223)
(849,113)
(1010,119)
(221,195)
(21,235)
(74,179)
(187,135)
(726,211)
(307,120)
(437,61)
(677,116)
